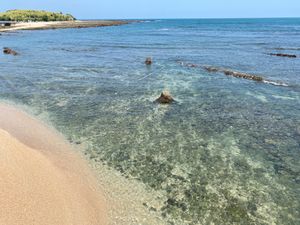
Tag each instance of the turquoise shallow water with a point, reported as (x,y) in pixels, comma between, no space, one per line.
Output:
(226,153)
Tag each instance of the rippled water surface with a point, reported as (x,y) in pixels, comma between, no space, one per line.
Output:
(227,152)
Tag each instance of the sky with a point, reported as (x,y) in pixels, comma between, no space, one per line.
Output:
(143,9)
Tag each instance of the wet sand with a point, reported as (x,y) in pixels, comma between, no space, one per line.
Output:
(63,25)
(42,179)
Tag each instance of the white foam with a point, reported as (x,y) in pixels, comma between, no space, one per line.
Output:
(275,83)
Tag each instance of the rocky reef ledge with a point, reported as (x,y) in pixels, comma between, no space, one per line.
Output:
(63,24)
(228,72)
(237,74)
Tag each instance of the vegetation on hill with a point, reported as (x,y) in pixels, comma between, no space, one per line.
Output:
(34,15)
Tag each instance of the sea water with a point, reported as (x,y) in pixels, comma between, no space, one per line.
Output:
(228,150)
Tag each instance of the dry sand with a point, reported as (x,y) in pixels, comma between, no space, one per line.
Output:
(45,181)
(42,180)
(62,24)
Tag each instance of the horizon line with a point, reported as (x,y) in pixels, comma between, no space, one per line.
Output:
(193,18)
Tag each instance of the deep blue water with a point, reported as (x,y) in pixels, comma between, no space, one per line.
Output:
(226,153)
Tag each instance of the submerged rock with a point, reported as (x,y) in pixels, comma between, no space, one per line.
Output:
(165,98)
(192,65)
(211,69)
(9,51)
(148,61)
(283,55)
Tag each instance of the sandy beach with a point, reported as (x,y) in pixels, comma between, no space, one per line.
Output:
(62,25)
(42,180)
(86,137)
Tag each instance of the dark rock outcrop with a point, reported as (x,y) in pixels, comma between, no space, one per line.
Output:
(165,98)
(9,51)
(283,55)
(148,61)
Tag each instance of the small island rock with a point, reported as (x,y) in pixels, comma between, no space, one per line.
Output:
(148,61)
(9,51)
(165,98)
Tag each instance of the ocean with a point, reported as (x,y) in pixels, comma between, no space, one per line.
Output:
(228,150)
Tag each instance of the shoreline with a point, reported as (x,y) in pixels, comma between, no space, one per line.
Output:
(107,196)
(63,25)
(42,180)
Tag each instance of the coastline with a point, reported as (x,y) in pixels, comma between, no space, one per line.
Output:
(42,172)
(63,25)
(192,162)
(43,181)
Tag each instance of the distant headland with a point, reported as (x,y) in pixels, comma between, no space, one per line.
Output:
(40,20)
(34,16)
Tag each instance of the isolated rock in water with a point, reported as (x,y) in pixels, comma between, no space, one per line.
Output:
(148,61)
(283,55)
(165,98)
(9,51)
